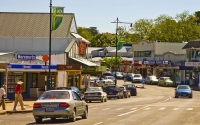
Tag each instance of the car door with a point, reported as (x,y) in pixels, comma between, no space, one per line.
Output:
(78,103)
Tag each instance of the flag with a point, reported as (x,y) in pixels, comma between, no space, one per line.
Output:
(57,17)
(121,40)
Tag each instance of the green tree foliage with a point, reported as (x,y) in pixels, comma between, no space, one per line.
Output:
(182,27)
(111,61)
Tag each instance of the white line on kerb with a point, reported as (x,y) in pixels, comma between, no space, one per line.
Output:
(98,123)
(133,111)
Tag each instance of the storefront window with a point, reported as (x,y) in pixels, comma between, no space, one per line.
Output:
(178,76)
(13,78)
(70,80)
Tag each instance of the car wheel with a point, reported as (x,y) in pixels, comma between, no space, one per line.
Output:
(85,115)
(38,120)
(52,119)
(190,96)
(176,96)
(73,117)
(105,99)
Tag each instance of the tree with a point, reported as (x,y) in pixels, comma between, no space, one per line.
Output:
(111,61)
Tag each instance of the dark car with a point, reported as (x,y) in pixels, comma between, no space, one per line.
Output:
(129,77)
(183,91)
(113,91)
(127,93)
(74,88)
(132,87)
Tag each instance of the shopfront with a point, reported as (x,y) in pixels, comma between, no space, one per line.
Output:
(73,74)
(29,74)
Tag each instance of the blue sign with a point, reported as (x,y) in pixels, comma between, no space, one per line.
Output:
(29,66)
(26,57)
(159,62)
(151,62)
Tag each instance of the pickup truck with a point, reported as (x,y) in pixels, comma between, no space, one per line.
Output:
(127,93)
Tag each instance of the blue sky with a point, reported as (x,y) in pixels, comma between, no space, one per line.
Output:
(100,13)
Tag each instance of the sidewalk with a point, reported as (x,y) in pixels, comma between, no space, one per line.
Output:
(9,108)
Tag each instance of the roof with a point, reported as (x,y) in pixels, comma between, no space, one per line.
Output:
(21,24)
(124,49)
(192,45)
(90,49)
(84,61)
(78,36)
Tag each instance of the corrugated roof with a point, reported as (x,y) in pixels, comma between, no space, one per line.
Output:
(90,49)
(84,61)
(16,24)
(78,36)
(192,44)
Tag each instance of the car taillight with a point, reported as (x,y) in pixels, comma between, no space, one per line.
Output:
(63,105)
(36,105)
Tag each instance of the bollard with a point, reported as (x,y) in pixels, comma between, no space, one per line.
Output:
(3,104)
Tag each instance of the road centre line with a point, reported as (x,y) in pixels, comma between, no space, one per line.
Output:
(98,123)
(165,100)
(106,109)
(133,111)
(133,108)
(162,108)
(189,109)
(119,109)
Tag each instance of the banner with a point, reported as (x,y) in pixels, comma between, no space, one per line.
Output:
(82,48)
(57,17)
(121,40)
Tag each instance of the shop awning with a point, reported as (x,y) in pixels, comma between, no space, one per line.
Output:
(84,61)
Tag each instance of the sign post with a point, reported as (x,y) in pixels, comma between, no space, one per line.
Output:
(45,58)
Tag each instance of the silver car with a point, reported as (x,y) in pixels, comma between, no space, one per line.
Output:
(59,104)
(95,94)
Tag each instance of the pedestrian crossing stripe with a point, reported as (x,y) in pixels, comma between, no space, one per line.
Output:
(161,108)
(189,109)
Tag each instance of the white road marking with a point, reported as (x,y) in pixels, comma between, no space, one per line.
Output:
(175,109)
(119,109)
(133,108)
(146,109)
(106,109)
(98,123)
(133,111)
(162,108)
(165,100)
(189,109)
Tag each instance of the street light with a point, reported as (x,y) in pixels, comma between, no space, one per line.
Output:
(116,40)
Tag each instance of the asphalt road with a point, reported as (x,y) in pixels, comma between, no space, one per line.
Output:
(154,105)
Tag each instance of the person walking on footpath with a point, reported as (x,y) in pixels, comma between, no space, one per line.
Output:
(18,96)
(2,96)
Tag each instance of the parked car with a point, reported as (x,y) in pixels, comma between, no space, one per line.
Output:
(137,78)
(110,77)
(106,82)
(119,75)
(165,81)
(113,91)
(127,93)
(73,88)
(132,87)
(59,104)
(129,76)
(151,80)
(183,91)
(95,94)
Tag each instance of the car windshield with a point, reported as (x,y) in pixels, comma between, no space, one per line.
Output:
(93,89)
(183,87)
(55,95)
(167,78)
(136,75)
(128,86)
(111,87)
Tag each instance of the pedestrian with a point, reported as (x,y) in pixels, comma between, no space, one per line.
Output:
(2,96)
(18,96)
(143,82)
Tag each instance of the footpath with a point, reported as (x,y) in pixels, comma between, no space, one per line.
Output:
(28,104)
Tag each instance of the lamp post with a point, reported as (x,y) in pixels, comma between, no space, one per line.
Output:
(116,40)
(50,25)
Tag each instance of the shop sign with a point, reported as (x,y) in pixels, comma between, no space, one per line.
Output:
(89,69)
(152,62)
(29,66)
(26,57)
(192,63)
(166,62)
(145,62)
(101,68)
(126,62)
(82,48)
(137,62)
(159,62)
(69,67)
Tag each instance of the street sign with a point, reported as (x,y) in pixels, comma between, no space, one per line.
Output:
(45,58)
(26,57)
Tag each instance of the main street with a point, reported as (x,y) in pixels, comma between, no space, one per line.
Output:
(154,105)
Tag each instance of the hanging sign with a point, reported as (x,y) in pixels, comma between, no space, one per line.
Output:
(82,48)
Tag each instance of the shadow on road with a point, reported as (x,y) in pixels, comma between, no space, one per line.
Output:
(57,121)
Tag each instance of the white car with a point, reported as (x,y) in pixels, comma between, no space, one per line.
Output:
(59,104)
(95,94)
(137,78)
